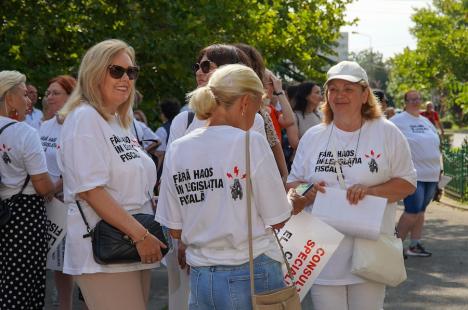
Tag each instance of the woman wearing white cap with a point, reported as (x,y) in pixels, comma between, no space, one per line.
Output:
(375,160)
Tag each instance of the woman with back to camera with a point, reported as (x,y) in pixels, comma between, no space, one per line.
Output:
(109,174)
(375,160)
(212,221)
(58,90)
(24,185)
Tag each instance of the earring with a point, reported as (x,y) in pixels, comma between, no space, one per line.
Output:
(13,114)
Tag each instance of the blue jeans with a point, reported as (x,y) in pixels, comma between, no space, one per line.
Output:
(228,287)
(418,201)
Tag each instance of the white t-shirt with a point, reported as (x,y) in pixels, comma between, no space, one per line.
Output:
(162,134)
(179,126)
(424,144)
(370,156)
(34,119)
(50,135)
(97,153)
(21,154)
(143,133)
(203,192)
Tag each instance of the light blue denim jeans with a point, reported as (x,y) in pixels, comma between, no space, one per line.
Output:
(228,287)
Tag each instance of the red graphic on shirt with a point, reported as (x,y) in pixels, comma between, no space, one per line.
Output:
(236,187)
(6,158)
(373,167)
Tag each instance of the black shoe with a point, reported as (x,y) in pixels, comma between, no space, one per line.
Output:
(418,250)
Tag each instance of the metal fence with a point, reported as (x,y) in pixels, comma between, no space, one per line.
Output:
(456,166)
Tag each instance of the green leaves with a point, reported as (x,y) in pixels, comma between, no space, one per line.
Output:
(46,38)
(439,64)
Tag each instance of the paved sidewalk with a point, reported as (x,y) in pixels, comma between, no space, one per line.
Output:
(438,282)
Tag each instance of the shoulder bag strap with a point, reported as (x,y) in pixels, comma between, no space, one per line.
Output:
(190,117)
(249,220)
(6,126)
(338,168)
(88,229)
(26,181)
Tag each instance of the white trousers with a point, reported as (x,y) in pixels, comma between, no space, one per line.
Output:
(363,296)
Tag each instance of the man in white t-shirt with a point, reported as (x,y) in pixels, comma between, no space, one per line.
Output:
(424,144)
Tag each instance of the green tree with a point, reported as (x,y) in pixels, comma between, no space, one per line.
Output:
(438,66)
(44,38)
(374,65)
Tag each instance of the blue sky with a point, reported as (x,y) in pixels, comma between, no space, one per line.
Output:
(383,24)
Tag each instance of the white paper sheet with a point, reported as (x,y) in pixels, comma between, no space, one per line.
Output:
(363,220)
(308,244)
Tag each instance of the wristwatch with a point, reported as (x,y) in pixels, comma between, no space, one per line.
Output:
(278,93)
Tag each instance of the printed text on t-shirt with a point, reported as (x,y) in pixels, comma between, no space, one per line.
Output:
(124,147)
(326,162)
(192,185)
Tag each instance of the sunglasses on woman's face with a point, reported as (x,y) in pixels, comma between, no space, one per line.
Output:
(205,66)
(117,72)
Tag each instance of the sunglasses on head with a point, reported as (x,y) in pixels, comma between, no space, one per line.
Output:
(205,66)
(117,72)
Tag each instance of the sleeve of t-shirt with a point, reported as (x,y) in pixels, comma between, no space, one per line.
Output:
(268,190)
(259,125)
(84,158)
(297,169)
(401,164)
(148,135)
(34,157)
(436,116)
(162,135)
(178,127)
(168,210)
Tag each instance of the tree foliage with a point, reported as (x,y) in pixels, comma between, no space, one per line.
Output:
(438,66)
(45,38)
(376,69)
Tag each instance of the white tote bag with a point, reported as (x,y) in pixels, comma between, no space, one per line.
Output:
(380,260)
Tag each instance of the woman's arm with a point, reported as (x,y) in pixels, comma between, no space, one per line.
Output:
(149,247)
(280,161)
(394,190)
(293,135)
(43,185)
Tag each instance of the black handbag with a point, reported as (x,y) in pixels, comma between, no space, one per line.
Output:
(5,209)
(111,246)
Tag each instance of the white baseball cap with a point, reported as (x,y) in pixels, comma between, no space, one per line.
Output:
(347,70)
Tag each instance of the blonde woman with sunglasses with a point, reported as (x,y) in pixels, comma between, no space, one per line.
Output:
(110,175)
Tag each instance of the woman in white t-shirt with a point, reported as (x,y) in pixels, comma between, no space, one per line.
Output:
(203,194)
(374,159)
(107,171)
(424,144)
(58,90)
(23,239)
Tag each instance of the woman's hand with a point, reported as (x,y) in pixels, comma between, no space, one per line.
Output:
(356,193)
(149,249)
(300,202)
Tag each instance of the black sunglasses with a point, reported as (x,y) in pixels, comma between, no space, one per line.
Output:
(117,72)
(205,66)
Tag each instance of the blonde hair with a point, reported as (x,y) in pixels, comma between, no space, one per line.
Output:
(369,110)
(91,74)
(8,81)
(226,85)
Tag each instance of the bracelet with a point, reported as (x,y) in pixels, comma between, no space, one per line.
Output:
(278,93)
(142,239)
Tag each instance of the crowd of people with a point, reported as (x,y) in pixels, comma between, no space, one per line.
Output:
(92,149)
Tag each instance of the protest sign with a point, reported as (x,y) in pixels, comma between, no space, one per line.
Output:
(56,222)
(308,244)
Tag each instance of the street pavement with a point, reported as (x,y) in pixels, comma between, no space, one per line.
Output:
(438,282)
